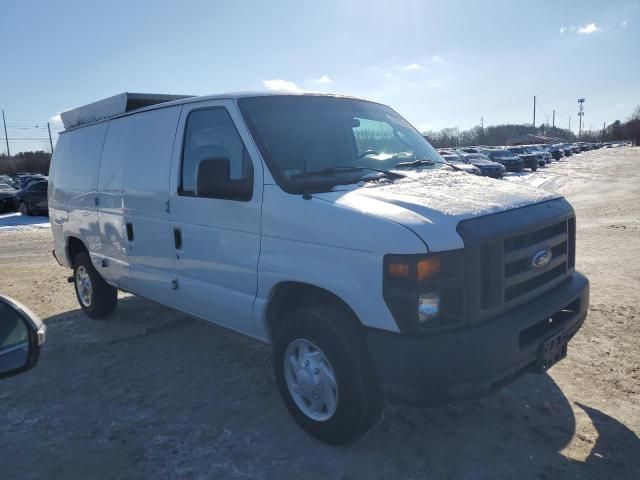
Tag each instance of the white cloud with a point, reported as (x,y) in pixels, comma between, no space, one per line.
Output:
(587,29)
(281,85)
(438,60)
(413,67)
(323,79)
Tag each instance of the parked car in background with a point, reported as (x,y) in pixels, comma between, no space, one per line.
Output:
(470,150)
(530,159)
(575,148)
(7,197)
(488,167)
(458,163)
(567,149)
(32,199)
(555,151)
(540,150)
(511,162)
(21,180)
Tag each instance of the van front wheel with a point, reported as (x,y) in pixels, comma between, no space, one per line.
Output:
(324,374)
(96,297)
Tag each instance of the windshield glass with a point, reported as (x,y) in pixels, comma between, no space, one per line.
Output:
(335,140)
(501,153)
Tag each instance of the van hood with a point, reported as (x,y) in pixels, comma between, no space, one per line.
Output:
(481,161)
(432,203)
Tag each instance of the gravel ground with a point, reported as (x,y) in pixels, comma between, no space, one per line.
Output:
(155,394)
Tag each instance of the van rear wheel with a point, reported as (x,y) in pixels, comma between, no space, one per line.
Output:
(96,297)
(324,374)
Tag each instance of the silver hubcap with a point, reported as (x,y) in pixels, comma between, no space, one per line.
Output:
(83,285)
(310,380)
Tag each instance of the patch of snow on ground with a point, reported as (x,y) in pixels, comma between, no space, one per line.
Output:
(16,221)
(570,173)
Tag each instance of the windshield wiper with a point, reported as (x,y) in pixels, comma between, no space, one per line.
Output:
(416,163)
(423,162)
(352,168)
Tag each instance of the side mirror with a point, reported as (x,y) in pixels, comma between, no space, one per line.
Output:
(213,181)
(21,335)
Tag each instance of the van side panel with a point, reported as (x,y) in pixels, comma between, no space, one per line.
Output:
(73,192)
(112,236)
(147,151)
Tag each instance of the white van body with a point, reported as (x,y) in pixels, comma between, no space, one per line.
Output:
(115,190)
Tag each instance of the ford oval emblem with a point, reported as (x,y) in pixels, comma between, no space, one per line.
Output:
(541,258)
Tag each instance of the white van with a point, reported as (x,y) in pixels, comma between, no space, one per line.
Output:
(328,227)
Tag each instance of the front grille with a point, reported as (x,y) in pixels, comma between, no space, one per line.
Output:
(518,278)
(499,250)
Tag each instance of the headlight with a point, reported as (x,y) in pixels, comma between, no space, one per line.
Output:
(428,307)
(425,292)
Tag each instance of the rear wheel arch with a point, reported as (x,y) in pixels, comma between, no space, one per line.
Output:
(289,296)
(74,247)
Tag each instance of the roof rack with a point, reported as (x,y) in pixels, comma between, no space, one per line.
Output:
(113,106)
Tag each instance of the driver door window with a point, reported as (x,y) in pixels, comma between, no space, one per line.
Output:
(211,133)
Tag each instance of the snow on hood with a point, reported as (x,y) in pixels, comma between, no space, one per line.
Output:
(432,202)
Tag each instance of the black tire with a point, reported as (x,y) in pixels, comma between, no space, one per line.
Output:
(359,399)
(23,208)
(533,169)
(103,297)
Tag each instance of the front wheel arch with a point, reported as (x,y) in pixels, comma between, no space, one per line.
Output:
(289,296)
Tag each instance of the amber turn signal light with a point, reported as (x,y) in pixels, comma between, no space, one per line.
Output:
(399,270)
(427,268)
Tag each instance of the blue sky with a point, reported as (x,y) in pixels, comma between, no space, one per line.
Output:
(440,64)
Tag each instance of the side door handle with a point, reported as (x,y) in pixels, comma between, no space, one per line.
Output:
(177,238)
(130,231)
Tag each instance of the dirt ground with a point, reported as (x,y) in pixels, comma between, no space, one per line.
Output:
(154,394)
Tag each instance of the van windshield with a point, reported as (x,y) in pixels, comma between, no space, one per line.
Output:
(316,142)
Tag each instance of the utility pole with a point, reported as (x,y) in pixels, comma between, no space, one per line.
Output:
(554,119)
(534,110)
(5,134)
(580,115)
(50,140)
(569,122)
(482,123)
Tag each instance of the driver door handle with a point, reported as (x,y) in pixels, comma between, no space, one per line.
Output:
(177,238)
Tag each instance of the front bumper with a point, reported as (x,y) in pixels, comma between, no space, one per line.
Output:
(514,167)
(431,370)
(493,173)
(7,204)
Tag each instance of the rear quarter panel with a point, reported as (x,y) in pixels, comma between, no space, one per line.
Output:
(73,188)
